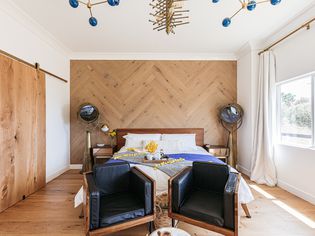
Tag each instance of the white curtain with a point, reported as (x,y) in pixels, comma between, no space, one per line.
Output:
(263,170)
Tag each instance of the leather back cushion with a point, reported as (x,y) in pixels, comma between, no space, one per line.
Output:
(209,176)
(113,177)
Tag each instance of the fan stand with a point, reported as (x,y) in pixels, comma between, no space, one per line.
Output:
(87,160)
(232,161)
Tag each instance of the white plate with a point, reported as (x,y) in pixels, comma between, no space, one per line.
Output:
(173,231)
(100,144)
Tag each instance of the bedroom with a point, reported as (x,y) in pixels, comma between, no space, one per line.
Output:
(151,89)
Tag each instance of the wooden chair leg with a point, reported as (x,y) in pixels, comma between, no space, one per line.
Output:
(173,223)
(151,228)
(245,208)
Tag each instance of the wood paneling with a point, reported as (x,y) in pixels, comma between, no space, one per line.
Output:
(152,94)
(23,135)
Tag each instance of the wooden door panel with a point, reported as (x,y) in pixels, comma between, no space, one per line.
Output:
(22,137)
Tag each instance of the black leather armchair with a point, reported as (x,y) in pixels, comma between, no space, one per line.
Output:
(205,195)
(117,197)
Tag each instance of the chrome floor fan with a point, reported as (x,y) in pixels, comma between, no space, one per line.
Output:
(231,118)
(89,115)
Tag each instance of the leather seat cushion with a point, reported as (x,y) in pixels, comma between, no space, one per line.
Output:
(204,206)
(120,207)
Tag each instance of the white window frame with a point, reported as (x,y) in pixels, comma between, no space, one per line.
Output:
(278,109)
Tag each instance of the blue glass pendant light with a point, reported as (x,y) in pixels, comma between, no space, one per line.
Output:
(113,2)
(74,3)
(226,22)
(275,2)
(250,5)
(92,20)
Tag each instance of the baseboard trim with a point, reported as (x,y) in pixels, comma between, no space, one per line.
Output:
(56,174)
(298,192)
(244,170)
(75,166)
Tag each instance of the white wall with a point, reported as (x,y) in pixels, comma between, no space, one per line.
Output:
(295,56)
(244,98)
(57,128)
(25,39)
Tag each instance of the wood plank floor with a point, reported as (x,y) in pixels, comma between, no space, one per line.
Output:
(50,212)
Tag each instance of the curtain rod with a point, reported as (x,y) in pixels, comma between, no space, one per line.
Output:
(35,66)
(306,25)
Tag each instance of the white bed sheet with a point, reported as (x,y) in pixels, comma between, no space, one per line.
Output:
(244,193)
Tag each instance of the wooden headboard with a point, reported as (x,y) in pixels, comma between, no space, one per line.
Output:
(198,131)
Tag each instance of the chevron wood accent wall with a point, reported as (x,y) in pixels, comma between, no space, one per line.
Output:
(151,94)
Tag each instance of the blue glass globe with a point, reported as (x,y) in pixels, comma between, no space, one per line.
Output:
(251,5)
(215,1)
(275,2)
(226,22)
(113,2)
(93,21)
(74,3)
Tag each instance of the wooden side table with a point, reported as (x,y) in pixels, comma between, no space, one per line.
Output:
(219,151)
(102,154)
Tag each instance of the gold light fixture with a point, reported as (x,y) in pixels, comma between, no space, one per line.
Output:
(168,14)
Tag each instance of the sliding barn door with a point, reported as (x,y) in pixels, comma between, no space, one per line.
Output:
(22,131)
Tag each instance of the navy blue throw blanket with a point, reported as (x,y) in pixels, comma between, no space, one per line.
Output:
(175,164)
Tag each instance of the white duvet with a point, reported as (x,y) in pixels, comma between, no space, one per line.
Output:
(244,193)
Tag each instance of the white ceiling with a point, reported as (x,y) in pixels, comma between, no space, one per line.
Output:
(126,29)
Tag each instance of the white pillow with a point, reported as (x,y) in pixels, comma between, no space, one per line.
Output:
(166,145)
(136,140)
(187,141)
(133,143)
(144,136)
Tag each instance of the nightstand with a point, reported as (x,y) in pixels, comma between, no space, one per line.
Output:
(102,154)
(219,151)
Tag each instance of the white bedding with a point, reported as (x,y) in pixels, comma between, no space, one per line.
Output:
(244,193)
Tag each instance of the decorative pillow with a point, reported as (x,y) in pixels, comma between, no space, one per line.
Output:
(187,141)
(153,137)
(133,143)
(166,145)
(136,140)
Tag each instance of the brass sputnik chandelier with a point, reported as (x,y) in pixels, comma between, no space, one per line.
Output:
(168,14)
(89,4)
(249,5)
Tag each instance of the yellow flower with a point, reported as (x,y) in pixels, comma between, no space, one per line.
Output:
(131,149)
(112,133)
(151,147)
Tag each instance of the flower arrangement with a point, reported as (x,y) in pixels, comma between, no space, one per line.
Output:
(112,134)
(151,147)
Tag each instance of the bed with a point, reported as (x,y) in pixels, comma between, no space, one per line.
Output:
(161,178)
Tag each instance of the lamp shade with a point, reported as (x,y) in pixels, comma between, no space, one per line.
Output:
(104,128)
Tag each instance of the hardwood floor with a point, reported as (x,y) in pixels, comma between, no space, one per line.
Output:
(50,212)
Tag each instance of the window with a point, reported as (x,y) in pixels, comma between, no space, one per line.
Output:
(296,111)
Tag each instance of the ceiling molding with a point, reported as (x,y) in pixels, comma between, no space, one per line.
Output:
(249,47)
(14,11)
(299,19)
(154,56)
(244,50)
(296,21)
